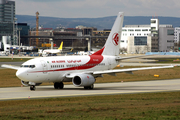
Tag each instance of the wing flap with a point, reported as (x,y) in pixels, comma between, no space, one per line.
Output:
(10,66)
(129,70)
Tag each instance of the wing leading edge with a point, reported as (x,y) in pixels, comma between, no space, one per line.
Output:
(10,66)
(129,70)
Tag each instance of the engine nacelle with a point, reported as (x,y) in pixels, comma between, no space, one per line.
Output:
(30,83)
(83,80)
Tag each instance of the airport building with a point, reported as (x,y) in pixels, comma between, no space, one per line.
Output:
(135,38)
(7,20)
(58,37)
(147,38)
(166,38)
(99,42)
(177,34)
(23,30)
(7,11)
(140,38)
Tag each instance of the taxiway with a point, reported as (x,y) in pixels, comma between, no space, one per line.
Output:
(15,93)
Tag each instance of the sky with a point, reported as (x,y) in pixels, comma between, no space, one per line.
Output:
(98,8)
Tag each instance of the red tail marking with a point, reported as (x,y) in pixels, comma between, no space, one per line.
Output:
(99,52)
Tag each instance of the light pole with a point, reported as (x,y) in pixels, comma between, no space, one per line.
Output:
(19,38)
(15,32)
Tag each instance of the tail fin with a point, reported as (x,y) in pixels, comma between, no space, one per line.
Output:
(112,44)
(60,47)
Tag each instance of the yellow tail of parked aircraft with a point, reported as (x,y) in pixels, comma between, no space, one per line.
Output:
(60,47)
(46,52)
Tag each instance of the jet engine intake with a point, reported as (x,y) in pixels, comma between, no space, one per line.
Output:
(83,80)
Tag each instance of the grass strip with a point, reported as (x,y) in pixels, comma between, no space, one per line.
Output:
(149,106)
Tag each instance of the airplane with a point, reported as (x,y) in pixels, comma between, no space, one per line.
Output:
(52,51)
(82,71)
(9,47)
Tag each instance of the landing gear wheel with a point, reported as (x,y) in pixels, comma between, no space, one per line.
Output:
(61,85)
(58,85)
(32,88)
(85,87)
(89,87)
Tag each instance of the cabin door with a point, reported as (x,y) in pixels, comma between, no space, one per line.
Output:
(44,66)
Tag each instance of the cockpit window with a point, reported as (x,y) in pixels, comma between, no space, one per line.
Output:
(28,66)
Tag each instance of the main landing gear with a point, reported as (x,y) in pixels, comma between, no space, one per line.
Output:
(58,85)
(89,87)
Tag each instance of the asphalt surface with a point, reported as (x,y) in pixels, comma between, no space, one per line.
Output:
(14,93)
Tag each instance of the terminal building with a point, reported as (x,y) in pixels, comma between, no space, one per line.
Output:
(177,37)
(7,16)
(147,38)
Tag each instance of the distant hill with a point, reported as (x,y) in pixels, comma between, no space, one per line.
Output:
(99,23)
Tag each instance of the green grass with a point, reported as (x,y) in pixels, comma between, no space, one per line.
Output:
(14,59)
(149,106)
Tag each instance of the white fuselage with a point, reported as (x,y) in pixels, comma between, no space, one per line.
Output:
(51,51)
(54,69)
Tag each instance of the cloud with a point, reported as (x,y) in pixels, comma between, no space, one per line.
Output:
(97,8)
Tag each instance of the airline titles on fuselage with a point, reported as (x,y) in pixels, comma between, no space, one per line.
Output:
(71,61)
(68,61)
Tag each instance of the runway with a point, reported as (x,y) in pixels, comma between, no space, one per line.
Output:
(15,93)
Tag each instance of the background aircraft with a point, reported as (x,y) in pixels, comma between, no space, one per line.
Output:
(52,51)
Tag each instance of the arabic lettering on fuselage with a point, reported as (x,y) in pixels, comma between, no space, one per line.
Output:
(73,61)
(68,61)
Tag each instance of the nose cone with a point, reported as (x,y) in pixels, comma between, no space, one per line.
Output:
(21,74)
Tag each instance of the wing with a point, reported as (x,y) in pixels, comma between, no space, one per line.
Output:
(10,66)
(123,58)
(112,72)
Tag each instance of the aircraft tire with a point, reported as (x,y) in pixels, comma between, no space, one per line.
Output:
(32,88)
(85,87)
(89,87)
(56,85)
(61,85)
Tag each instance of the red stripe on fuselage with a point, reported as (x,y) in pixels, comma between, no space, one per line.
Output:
(94,61)
(99,52)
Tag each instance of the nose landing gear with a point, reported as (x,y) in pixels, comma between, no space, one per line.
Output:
(33,88)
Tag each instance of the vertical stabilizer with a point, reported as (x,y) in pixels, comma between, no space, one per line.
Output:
(112,44)
(60,47)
